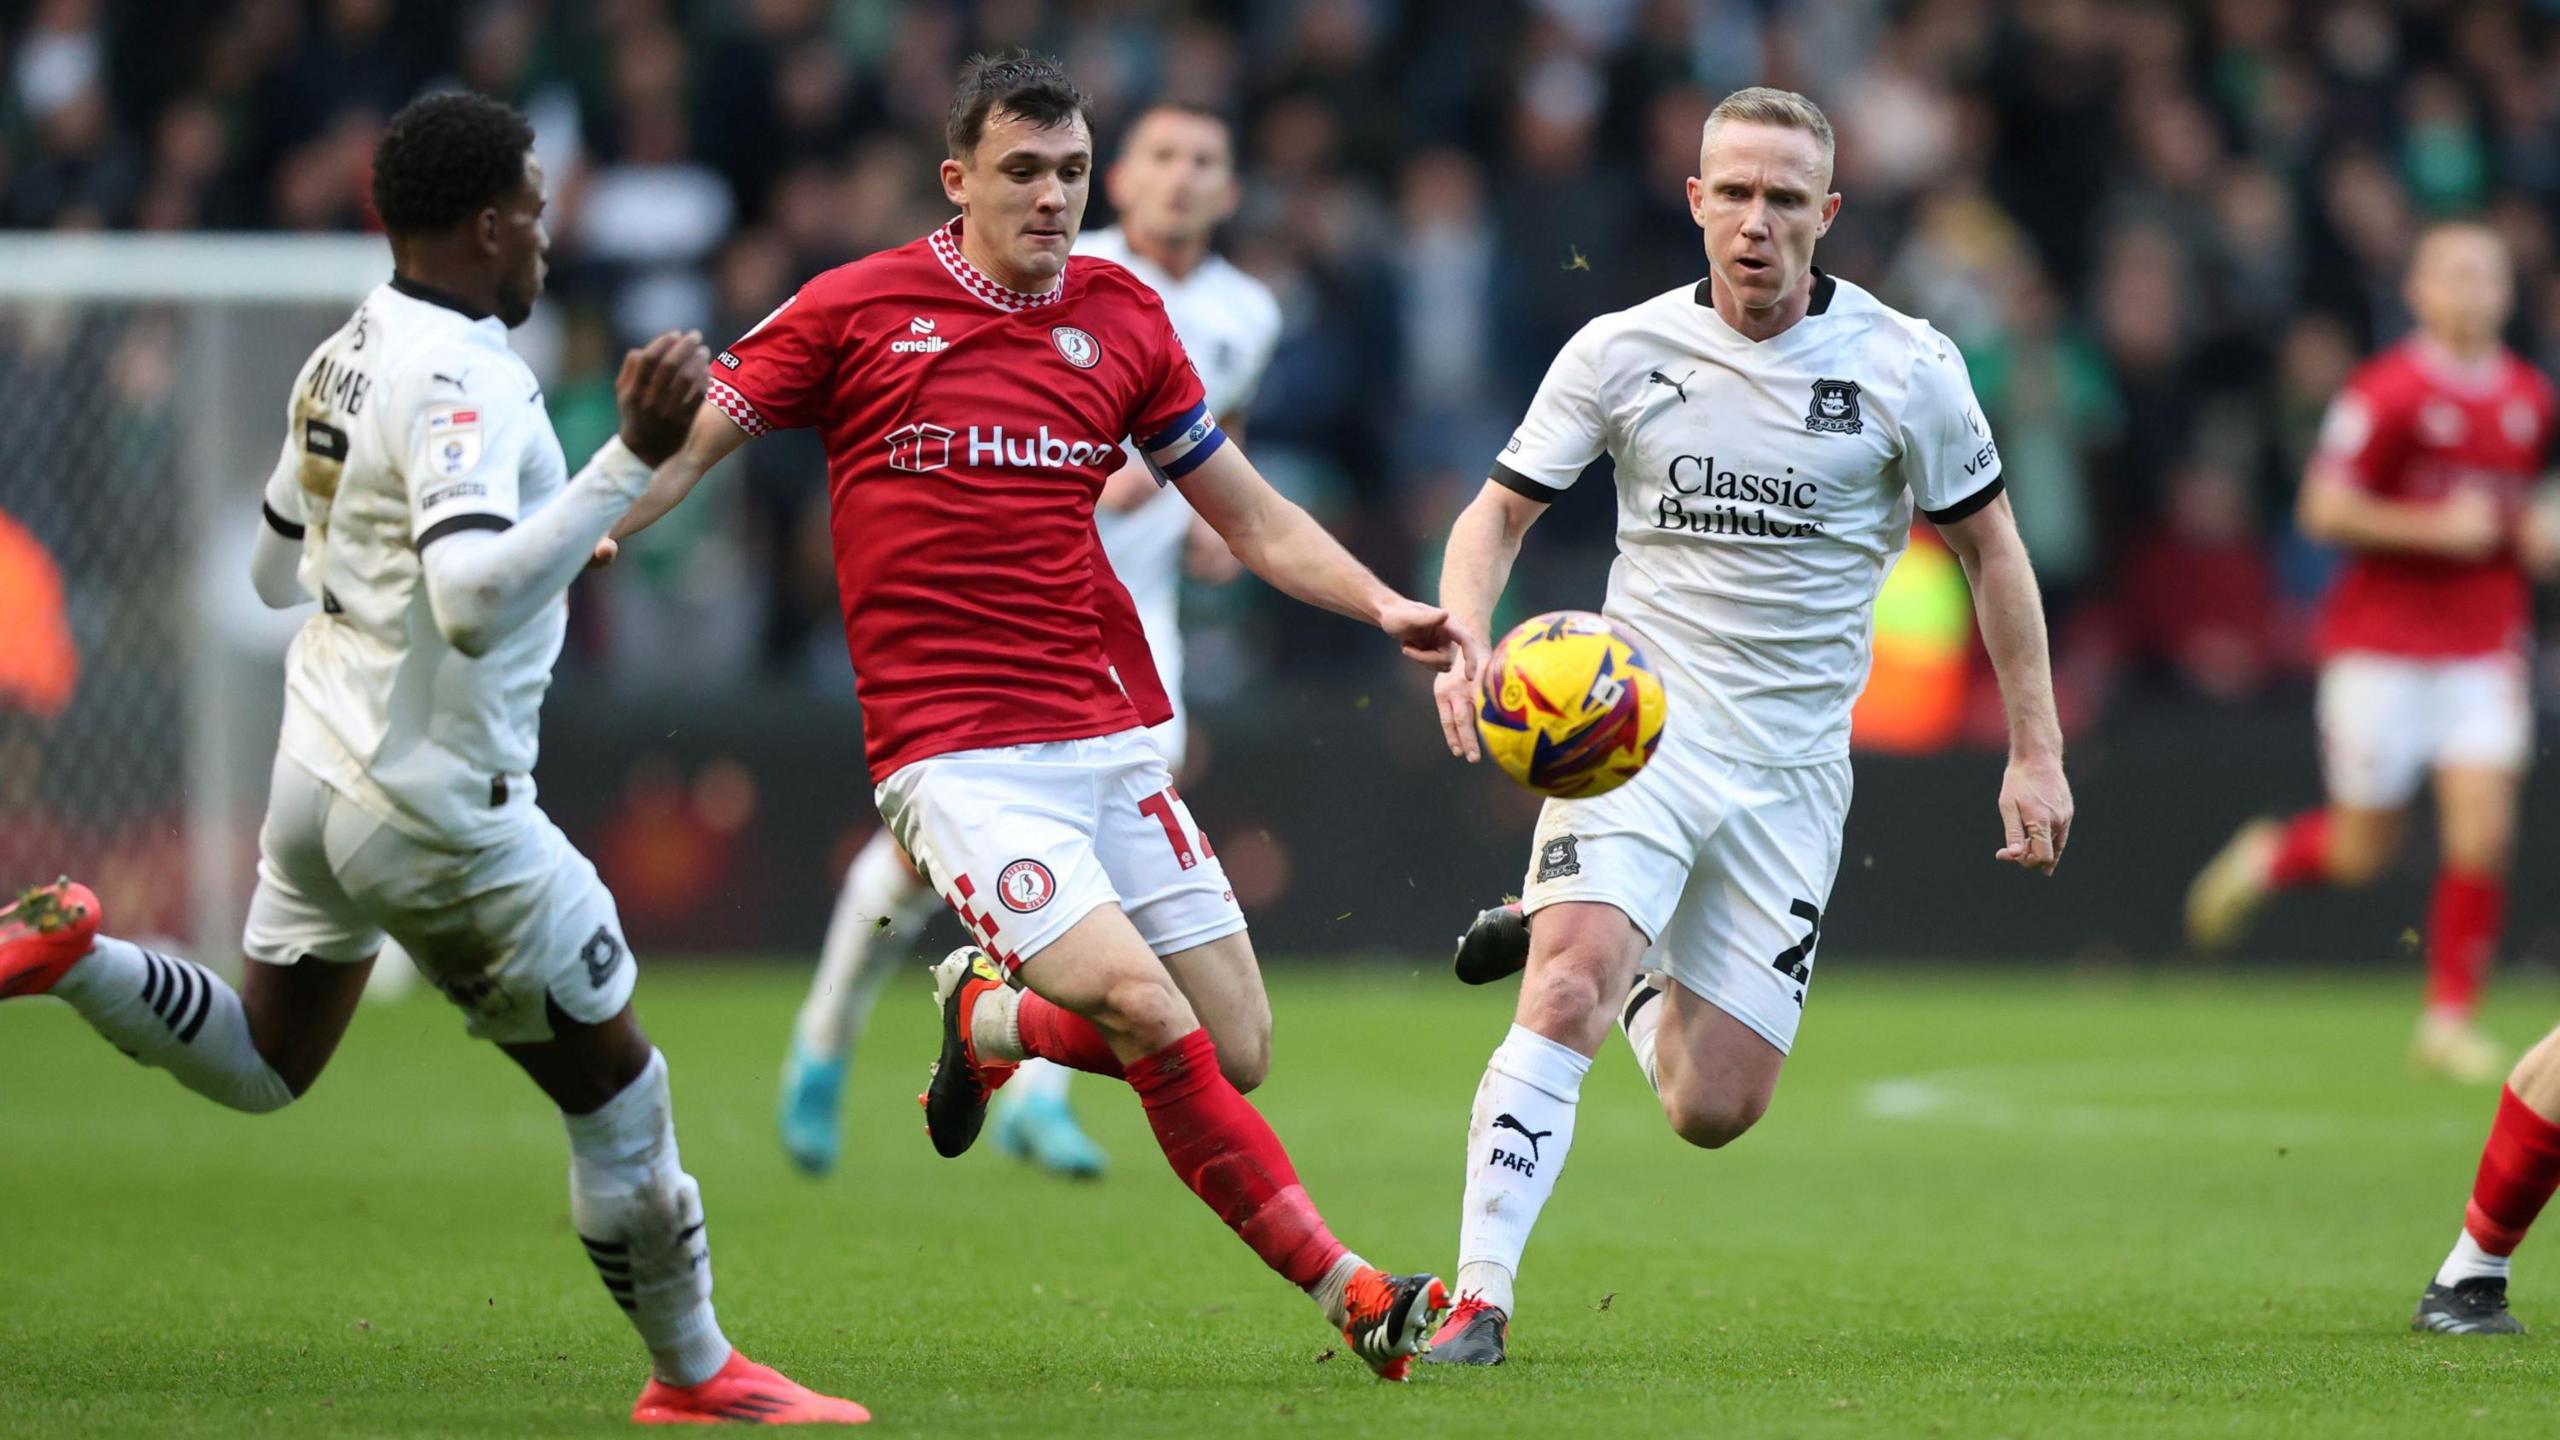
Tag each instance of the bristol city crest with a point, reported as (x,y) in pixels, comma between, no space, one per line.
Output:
(1025,886)
(1834,409)
(1081,349)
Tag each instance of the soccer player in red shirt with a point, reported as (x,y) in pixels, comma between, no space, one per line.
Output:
(2423,473)
(973,389)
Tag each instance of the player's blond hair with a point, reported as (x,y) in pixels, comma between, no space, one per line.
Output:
(1763,105)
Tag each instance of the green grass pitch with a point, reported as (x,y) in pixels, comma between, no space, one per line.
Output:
(1985,1204)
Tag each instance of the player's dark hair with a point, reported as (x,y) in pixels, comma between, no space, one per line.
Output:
(1193,108)
(1023,83)
(445,158)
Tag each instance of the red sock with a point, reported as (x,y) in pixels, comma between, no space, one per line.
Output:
(2302,856)
(1051,1032)
(1224,1150)
(2462,930)
(2518,1168)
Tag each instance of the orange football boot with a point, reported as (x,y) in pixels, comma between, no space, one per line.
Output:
(743,1391)
(1388,1319)
(43,935)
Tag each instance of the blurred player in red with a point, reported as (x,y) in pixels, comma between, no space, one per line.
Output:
(974,388)
(2423,474)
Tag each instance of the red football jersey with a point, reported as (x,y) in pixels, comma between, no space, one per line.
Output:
(968,430)
(2411,425)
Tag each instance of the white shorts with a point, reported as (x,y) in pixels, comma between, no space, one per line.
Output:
(1172,740)
(1023,841)
(1724,865)
(505,931)
(2386,721)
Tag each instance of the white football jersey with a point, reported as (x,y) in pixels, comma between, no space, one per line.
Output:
(414,421)
(1764,489)
(1230,323)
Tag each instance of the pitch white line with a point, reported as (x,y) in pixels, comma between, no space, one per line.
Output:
(2165,1097)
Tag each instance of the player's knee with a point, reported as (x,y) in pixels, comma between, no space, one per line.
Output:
(2480,848)
(1565,996)
(2357,866)
(1146,1009)
(1245,1059)
(2358,859)
(1712,1122)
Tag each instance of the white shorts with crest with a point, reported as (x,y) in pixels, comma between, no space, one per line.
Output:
(1023,841)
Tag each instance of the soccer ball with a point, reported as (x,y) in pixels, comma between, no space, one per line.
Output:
(1569,706)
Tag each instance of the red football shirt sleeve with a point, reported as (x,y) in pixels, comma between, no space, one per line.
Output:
(1172,424)
(2366,433)
(779,375)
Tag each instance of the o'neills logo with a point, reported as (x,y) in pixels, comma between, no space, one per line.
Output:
(920,339)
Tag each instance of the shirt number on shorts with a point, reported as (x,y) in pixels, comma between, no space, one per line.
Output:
(1796,963)
(1160,805)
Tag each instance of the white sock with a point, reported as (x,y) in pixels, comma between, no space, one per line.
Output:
(1643,1022)
(995,1028)
(2469,1262)
(1037,1080)
(177,1016)
(878,912)
(1330,1293)
(1516,1142)
(640,1217)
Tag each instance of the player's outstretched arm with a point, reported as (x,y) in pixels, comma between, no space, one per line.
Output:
(483,583)
(275,558)
(2035,799)
(712,438)
(2333,509)
(1483,546)
(1283,544)
(275,562)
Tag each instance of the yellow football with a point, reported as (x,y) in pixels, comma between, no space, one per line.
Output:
(1569,706)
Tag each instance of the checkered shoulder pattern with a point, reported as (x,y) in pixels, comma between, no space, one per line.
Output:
(738,409)
(946,248)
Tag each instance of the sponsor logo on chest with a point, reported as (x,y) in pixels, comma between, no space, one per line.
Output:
(1709,495)
(924,447)
(1777,493)
(920,339)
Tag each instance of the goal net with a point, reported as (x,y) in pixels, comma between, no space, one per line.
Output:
(140,679)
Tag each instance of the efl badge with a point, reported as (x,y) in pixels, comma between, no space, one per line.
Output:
(1081,349)
(453,440)
(1025,885)
(1834,409)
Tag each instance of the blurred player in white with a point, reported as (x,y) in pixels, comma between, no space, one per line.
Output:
(422,499)
(1774,429)
(1172,186)
(2424,475)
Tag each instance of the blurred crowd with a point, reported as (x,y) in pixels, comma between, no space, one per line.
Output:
(2161,233)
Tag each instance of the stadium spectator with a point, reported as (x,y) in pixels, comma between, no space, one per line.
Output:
(2209,204)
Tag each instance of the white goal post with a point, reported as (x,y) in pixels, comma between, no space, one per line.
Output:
(149,374)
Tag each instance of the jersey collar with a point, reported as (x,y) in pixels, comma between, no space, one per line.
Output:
(1823,289)
(2471,376)
(946,248)
(433,296)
